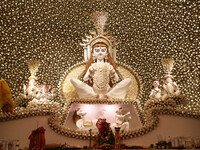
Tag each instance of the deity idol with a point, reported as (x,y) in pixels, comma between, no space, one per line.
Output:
(101,74)
(81,123)
(45,94)
(40,92)
(122,120)
(170,88)
(155,92)
(100,51)
(31,89)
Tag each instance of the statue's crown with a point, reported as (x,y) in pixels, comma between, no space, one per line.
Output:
(99,19)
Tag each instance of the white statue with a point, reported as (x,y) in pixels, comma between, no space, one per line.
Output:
(121,120)
(40,92)
(31,90)
(82,123)
(101,74)
(100,51)
(45,94)
(170,88)
(155,92)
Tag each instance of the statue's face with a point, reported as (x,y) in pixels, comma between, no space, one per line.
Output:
(100,52)
(156,83)
(32,82)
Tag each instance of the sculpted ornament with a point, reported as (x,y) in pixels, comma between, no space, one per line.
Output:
(170,88)
(81,123)
(121,120)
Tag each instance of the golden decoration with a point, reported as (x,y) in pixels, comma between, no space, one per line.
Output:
(168,64)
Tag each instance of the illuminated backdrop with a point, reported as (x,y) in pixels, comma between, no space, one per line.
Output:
(147,31)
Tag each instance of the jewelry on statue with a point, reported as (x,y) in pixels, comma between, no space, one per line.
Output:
(106,58)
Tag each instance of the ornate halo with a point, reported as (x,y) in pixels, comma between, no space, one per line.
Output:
(99,20)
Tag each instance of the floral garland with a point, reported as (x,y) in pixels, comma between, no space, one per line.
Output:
(99,77)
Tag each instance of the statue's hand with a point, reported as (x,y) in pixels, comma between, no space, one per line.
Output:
(88,73)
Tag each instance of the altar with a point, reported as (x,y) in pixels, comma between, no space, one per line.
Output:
(95,111)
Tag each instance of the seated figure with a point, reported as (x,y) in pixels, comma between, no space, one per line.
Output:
(101,74)
(122,120)
(170,88)
(155,92)
(81,123)
(33,90)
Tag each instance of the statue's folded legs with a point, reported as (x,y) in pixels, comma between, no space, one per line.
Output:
(83,89)
(120,90)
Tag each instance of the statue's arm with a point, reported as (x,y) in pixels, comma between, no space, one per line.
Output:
(113,73)
(176,86)
(120,116)
(88,73)
(164,89)
(128,113)
(116,77)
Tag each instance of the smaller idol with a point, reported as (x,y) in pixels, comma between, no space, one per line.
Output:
(170,88)
(82,123)
(42,92)
(31,89)
(155,92)
(45,94)
(121,120)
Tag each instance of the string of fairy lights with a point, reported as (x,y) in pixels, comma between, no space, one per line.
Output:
(50,31)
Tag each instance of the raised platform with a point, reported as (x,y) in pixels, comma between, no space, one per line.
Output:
(95,111)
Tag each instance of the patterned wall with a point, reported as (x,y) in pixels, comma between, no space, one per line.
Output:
(148,30)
